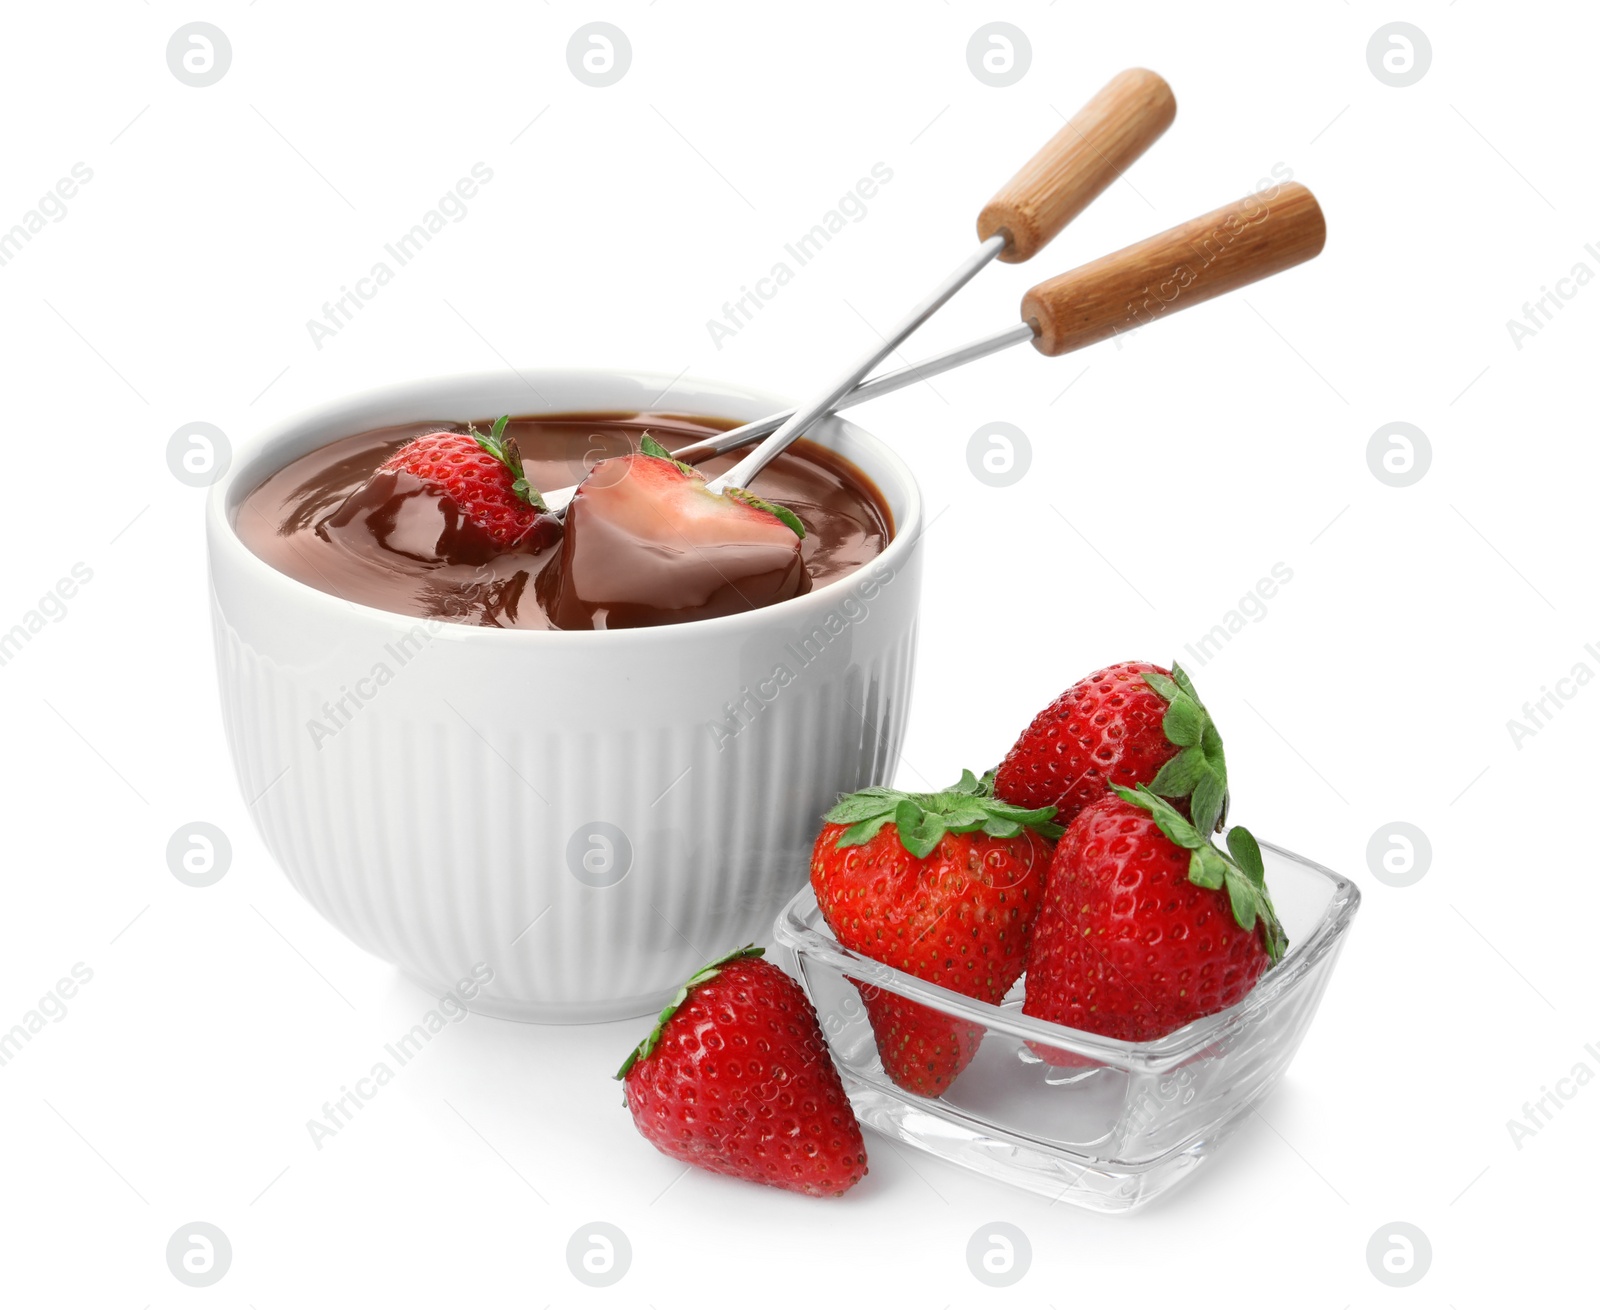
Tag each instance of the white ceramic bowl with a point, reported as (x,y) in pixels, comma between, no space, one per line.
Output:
(589,814)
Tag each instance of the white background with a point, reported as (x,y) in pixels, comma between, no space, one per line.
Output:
(1180,466)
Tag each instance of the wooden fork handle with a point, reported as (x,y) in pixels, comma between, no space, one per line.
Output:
(1078,163)
(1218,252)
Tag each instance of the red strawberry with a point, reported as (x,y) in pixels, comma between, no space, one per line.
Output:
(447,498)
(944,887)
(736,1078)
(646,543)
(481,475)
(921,1049)
(1129,724)
(1146,926)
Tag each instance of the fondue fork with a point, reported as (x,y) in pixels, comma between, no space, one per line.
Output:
(1218,252)
(1051,189)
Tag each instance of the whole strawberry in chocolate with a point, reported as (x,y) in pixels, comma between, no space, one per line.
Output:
(736,1078)
(1128,724)
(450,497)
(1147,926)
(943,886)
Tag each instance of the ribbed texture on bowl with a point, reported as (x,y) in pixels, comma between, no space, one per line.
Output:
(437,839)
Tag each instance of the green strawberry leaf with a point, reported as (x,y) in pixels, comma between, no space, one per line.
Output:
(859,834)
(1184,723)
(1204,872)
(1242,896)
(1200,769)
(1216,864)
(1277,940)
(790,520)
(1243,875)
(1039,818)
(974,786)
(785,516)
(1205,804)
(1183,681)
(970,816)
(1163,686)
(1178,776)
(506,450)
(1246,852)
(921,830)
(863,805)
(1174,827)
(923,818)
(648,445)
(643,1049)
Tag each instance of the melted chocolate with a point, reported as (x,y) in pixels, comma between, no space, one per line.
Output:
(332,520)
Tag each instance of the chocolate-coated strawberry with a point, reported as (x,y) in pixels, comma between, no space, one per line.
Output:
(448,497)
(481,474)
(647,543)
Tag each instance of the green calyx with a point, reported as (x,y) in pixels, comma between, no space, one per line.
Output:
(1241,871)
(1200,769)
(922,819)
(710,971)
(648,445)
(505,449)
(787,517)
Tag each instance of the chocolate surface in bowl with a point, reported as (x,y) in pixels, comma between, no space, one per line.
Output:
(291,519)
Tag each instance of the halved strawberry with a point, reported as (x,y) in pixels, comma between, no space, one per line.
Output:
(646,543)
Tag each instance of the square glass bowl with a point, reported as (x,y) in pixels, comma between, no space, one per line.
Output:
(1127,1120)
